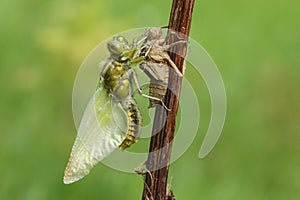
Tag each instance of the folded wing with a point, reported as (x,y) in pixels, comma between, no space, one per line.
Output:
(102,129)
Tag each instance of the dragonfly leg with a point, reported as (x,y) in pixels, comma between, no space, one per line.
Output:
(148,50)
(147,96)
(173,65)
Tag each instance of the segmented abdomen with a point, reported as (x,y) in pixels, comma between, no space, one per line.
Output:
(157,90)
(134,125)
(159,77)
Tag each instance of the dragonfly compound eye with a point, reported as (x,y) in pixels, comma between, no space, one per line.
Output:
(117,45)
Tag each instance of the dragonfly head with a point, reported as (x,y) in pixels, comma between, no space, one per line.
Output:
(117,46)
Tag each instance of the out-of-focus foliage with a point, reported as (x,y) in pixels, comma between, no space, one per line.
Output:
(256,45)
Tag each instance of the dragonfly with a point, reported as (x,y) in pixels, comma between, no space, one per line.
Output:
(112,118)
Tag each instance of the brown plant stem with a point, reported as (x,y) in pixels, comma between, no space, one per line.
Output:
(155,186)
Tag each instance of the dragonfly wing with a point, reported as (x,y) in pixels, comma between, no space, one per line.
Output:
(102,129)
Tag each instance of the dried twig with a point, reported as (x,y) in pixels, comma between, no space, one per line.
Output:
(155,186)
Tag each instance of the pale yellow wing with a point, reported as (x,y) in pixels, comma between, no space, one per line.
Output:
(102,129)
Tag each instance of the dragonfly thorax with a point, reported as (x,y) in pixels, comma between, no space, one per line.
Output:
(112,76)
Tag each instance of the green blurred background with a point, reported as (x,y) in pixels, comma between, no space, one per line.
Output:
(256,45)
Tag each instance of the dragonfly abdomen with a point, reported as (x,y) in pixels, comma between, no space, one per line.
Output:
(134,125)
(157,90)
(159,77)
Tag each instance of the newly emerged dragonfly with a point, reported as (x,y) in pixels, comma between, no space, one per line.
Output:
(112,118)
